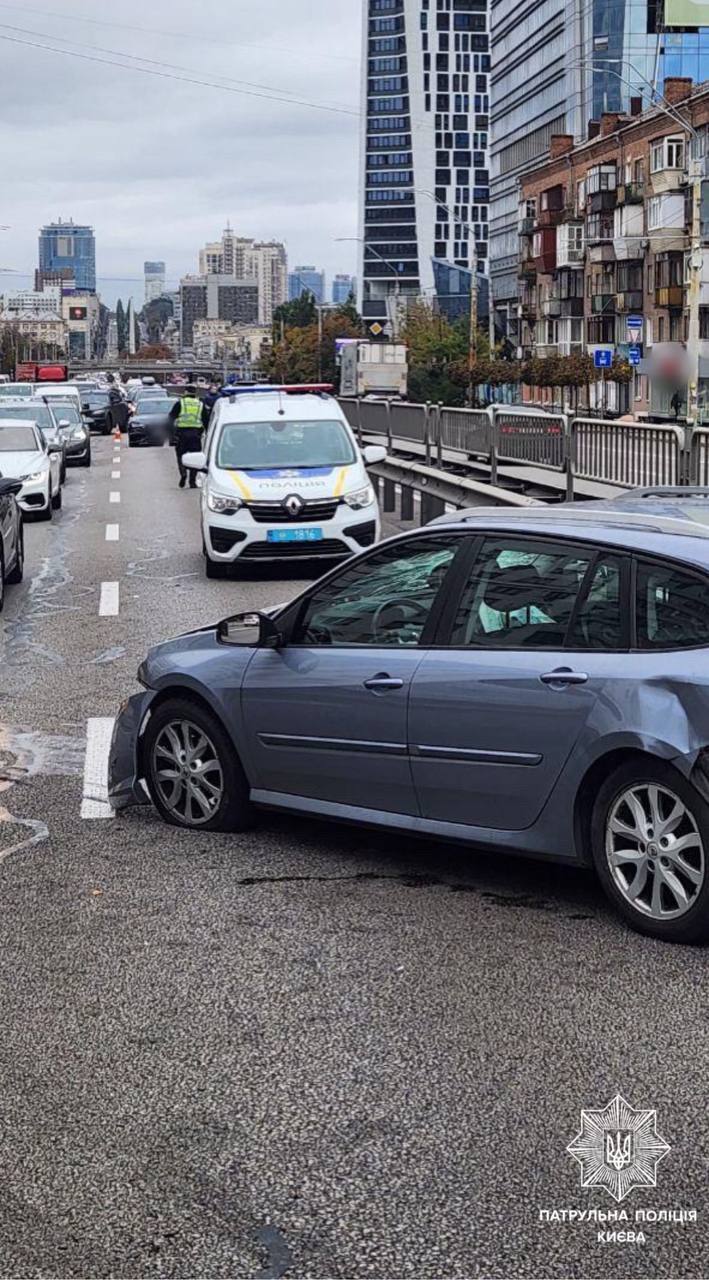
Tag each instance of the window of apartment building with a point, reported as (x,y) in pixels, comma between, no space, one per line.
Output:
(704,323)
(669,270)
(581,195)
(602,178)
(660,328)
(630,276)
(639,173)
(654,213)
(676,327)
(599,226)
(667,153)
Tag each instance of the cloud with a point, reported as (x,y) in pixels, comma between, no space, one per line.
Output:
(157,165)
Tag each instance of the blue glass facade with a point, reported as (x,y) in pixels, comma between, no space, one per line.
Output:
(64,245)
(630,54)
(306,280)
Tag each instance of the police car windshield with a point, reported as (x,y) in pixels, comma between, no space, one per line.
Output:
(259,446)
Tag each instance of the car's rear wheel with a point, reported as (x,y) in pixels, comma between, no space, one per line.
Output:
(17,573)
(650,842)
(193,774)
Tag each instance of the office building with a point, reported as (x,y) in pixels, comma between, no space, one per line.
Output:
(306,280)
(216,297)
(425,183)
(246,259)
(81,315)
(558,66)
(66,246)
(33,301)
(154,280)
(342,287)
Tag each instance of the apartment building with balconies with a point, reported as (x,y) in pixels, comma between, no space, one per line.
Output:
(604,234)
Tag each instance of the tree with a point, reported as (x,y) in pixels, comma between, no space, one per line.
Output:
(154,351)
(296,354)
(155,316)
(121,326)
(438,356)
(299,313)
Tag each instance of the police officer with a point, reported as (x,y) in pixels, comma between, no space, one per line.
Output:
(188,432)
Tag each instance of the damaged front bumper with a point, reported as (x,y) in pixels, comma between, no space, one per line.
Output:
(125,786)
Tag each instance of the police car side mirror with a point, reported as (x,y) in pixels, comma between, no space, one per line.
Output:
(195,461)
(374,453)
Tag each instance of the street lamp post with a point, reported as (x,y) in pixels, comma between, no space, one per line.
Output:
(397,288)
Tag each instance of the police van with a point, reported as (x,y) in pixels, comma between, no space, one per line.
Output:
(283,477)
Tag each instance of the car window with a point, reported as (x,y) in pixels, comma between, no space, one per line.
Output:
(385,599)
(598,622)
(33,412)
(672,607)
(520,594)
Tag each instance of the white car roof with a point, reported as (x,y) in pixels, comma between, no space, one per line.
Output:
(269,407)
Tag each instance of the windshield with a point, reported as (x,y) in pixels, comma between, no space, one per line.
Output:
(259,446)
(16,389)
(34,412)
(155,404)
(18,440)
(66,411)
(96,399)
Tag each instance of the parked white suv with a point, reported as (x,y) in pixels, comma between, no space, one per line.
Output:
(284,477)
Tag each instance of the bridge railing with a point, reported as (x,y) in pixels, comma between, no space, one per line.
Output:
(627,453)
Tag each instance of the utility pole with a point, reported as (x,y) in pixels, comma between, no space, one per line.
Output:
(694,292)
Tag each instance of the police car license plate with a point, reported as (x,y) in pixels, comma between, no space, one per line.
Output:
(294,535)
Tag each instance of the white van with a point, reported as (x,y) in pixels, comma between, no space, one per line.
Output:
(284,477)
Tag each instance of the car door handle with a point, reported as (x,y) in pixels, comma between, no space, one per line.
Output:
(564,675)
(382,682)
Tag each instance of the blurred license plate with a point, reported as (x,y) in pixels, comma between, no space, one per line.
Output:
(294,535)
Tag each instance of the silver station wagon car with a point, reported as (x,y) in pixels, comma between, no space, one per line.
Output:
(532,681)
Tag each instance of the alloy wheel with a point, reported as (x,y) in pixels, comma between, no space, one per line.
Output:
(654,851)
(187,772)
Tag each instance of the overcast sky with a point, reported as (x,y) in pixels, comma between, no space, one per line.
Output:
(157,166)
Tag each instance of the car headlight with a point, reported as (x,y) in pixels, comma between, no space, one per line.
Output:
(360,498)
(223,502)
(34,475)
(79,433)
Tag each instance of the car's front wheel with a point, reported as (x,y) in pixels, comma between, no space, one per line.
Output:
(193,774)
(650,842)
(17,573)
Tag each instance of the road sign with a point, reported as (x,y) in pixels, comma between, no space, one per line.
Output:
(603,359)
(633,355)
(635,328)
(376,328)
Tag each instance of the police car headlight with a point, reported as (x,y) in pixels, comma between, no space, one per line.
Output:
(223,502)
(360,498)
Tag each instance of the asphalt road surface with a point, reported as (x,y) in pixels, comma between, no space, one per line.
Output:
(307,1051)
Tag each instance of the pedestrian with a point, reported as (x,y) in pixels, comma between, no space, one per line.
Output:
(208,403)
(188,432)
(119,413)
(675,404)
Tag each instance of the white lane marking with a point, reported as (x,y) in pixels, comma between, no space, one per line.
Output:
(115,475)
(108,604)
(114,496)
(94,802)
(111,533)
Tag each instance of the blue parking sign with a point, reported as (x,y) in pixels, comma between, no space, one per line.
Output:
(633,355)
(603,359)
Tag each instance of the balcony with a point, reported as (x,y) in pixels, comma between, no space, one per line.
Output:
(549,217)
(631,193)
(631,300)
(526,226)
(670,296)
(601,201)
(603,304)
(628,248)
(551,307)
(528,267)
(571,307)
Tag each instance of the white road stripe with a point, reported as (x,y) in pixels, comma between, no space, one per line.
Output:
(94,803)
(115,475)
(108,604)
(111,533)
(114,496)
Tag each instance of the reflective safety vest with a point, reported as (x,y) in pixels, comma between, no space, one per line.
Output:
(190,414)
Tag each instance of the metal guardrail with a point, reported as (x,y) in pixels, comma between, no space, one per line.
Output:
(626,454)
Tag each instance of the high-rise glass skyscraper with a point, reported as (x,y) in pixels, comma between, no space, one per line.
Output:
(65,245)
(424,145)
(154,280)
(557,65)
(306,280)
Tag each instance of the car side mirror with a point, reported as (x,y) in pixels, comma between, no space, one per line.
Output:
(250,631)
(9,486)
(64,422)
(374,453)
(54,447)
(195,461)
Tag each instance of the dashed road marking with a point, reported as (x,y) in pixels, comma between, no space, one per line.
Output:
(115,475)
(109,601)
(94,803)
(112,533)
(114,496)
